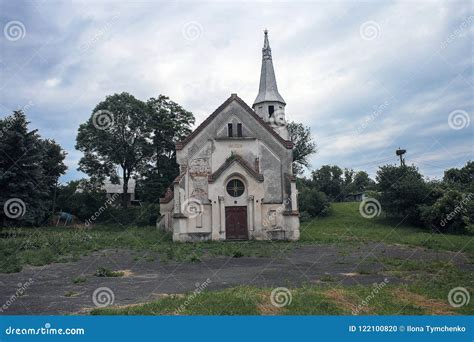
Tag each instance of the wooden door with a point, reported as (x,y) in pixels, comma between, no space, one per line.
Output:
(236,223)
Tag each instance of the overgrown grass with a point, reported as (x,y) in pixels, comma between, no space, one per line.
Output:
(41,246)
(346,225)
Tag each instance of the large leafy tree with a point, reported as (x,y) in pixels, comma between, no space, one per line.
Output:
(329,180)
(300,135)
(29,170)
(170,123)
(117,134)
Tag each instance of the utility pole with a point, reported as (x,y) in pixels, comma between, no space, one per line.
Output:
(400,153)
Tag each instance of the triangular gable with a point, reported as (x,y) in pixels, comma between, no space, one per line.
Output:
(286,143)
(235,158)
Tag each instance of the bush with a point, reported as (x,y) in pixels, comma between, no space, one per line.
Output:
(313,202)
(451,213)
(146,215)
(402,190)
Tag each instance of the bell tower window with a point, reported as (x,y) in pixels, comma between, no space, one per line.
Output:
(271,110)
(239,129)
(229,130)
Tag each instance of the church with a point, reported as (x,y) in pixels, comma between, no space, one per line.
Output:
(236,180)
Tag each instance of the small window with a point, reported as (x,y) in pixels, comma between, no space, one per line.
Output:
(229,130)
(239,129)
(271,110)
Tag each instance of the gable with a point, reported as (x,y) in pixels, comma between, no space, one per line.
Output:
(265,129)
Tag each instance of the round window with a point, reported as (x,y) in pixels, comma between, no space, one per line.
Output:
(235,188)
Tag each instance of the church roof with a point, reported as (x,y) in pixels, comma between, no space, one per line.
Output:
(180,145)
(268,90)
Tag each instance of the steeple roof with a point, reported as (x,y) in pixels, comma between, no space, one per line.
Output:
(268,90)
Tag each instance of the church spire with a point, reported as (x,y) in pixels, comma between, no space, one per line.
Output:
(268,90)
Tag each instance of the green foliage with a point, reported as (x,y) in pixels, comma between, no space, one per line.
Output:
(145,215)
(29,170)
(450,213)
(82,200)
(402,190)
(313,202)
(461,179)
(105,272)
(79,279)
(122,141)
(304,147)
(170,123)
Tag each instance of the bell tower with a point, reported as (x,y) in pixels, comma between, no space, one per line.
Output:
(269,104)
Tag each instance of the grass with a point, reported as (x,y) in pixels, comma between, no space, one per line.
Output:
(344,226)
(105,272)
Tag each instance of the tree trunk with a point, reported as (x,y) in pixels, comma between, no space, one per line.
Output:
(126,177)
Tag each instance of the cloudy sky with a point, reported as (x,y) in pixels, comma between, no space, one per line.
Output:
(366,77)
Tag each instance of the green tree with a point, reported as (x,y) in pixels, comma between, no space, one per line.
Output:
(53,165)
(170,123)
(402,191)
(28,169)
(328,179)
(304,146)
(117,134)
(460,179)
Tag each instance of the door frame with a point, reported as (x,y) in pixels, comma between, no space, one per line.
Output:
(245,209)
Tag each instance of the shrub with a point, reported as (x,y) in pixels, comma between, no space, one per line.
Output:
(401,191)
(451,213)
(146,215)
(313,202)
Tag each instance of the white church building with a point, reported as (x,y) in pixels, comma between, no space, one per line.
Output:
(236,180)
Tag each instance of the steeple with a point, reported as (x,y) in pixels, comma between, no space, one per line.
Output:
(269,104)
(268,90)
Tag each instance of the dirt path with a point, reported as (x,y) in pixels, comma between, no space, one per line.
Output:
(49,290)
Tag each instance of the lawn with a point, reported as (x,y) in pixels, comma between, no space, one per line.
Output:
(41,246)
(344,228)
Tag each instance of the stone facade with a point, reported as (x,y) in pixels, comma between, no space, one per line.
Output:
(236,177)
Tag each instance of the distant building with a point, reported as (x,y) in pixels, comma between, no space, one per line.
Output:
(113,189)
